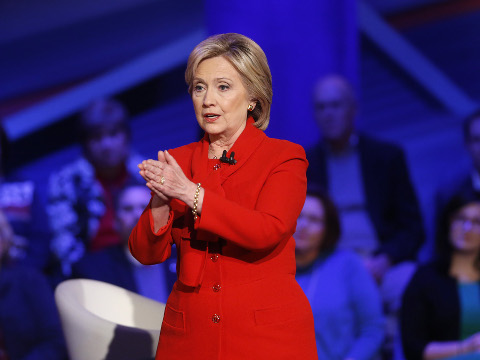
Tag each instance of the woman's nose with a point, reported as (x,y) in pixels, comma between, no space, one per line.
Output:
(208,98)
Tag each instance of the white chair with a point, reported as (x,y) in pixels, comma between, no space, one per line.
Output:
(102,321)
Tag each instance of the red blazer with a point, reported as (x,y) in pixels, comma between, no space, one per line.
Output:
(236,296)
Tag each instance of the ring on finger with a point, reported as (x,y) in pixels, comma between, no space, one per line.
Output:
(162,180)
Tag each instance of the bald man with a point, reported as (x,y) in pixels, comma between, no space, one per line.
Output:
(335,110)
(370,183)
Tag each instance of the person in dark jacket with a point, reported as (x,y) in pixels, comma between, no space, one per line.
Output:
(440,316)
(367,178)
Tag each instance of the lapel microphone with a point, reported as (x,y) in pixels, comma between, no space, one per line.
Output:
(229,160)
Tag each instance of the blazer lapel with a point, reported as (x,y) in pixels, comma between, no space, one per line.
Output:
(246,144)
(244,147)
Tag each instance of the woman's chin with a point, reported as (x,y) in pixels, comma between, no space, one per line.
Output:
(212,128)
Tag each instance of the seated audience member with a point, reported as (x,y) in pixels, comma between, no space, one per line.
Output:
(116,265)
(440,316)
(345,300)
(29,323)
(20,205)
(369,182)
(367,179)
(81,194)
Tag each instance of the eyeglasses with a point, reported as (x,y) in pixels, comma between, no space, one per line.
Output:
(463,220)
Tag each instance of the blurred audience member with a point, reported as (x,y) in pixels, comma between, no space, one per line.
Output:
(369,182)
(440,315)
(116,265)
(23,214)
(344,297)
(81,194)
(29,323)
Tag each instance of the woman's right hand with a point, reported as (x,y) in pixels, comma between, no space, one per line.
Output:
(160,205)
(159,199)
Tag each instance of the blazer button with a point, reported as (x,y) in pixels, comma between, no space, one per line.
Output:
(216,287)
(216,318)
(214,257)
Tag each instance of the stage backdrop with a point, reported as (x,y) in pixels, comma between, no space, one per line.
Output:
(303,40)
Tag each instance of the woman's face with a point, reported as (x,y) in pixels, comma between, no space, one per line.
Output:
(310,226)
(219,97)
(465,229)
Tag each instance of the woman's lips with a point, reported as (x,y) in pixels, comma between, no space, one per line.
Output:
(211,117)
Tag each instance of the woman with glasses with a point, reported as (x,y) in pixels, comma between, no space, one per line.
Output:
(344,298)
(440,317)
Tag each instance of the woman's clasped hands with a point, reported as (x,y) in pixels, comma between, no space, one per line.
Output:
(166,178)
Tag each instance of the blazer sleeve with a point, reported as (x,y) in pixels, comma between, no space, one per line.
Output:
(146,245)
(274,216)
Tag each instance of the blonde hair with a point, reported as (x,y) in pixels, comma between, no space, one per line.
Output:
(250,62)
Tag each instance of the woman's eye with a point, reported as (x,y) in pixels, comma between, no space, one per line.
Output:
(198,88)
(223,87)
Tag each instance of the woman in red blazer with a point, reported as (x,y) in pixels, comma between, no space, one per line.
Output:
(229,203)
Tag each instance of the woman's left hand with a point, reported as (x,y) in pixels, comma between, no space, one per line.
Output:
(168,178)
